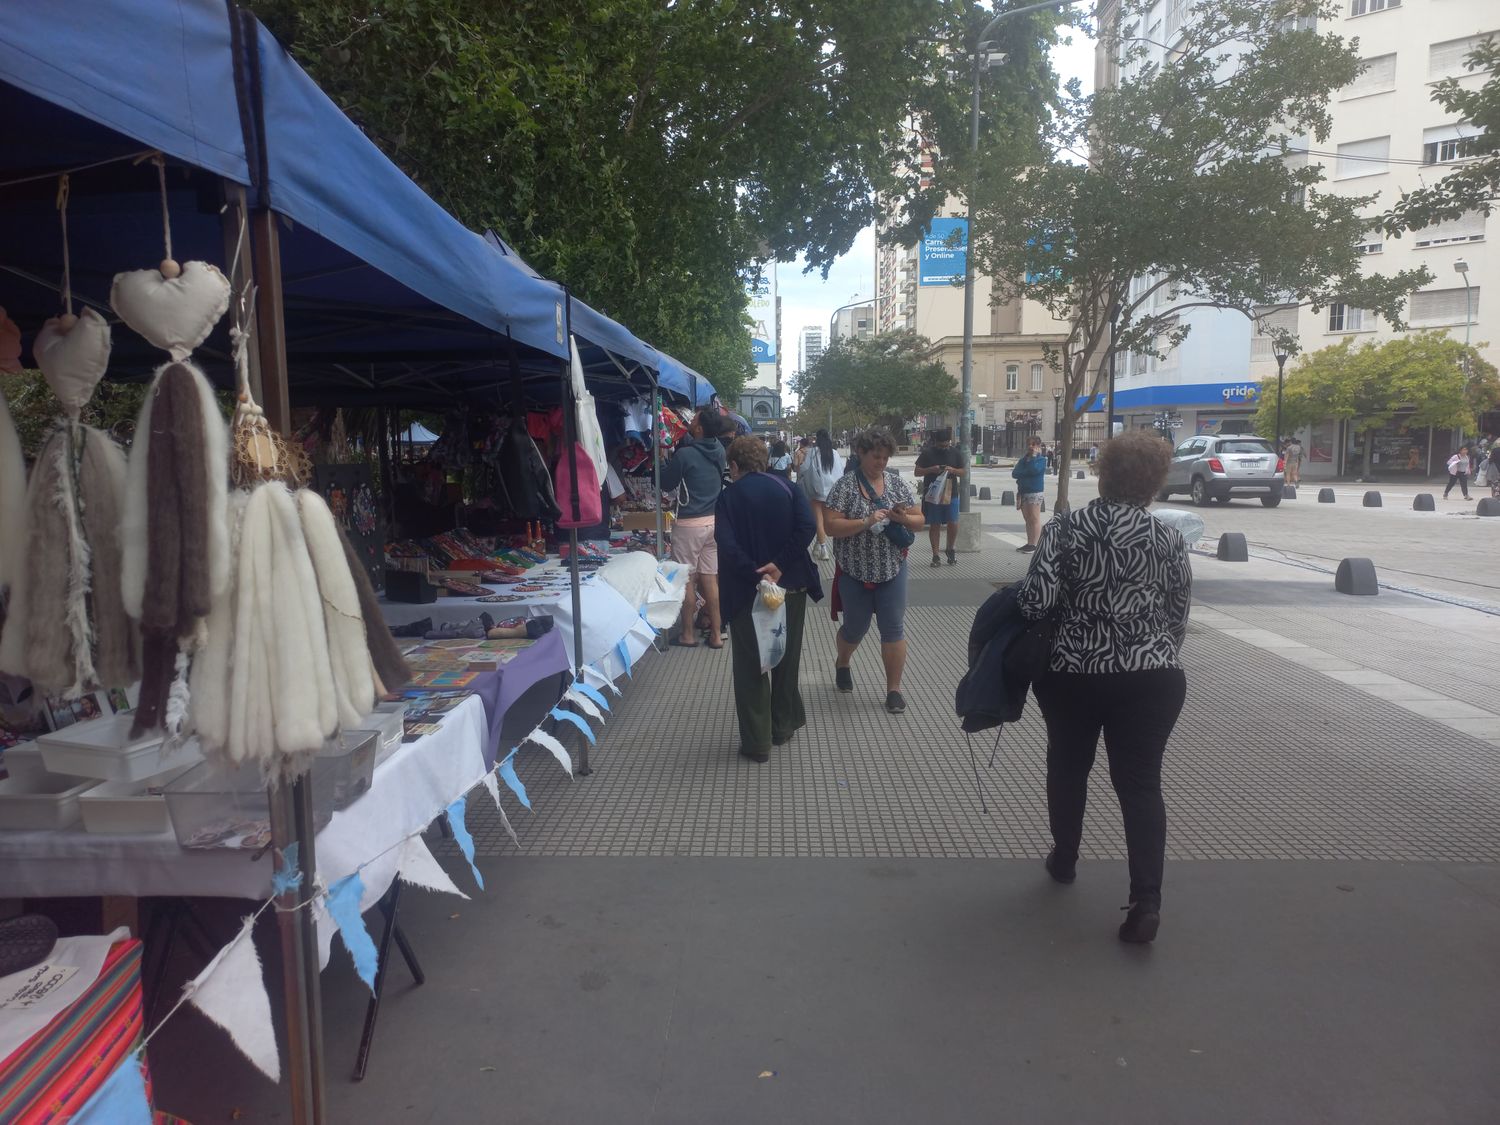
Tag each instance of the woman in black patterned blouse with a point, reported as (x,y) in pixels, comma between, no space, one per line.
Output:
(1119,582)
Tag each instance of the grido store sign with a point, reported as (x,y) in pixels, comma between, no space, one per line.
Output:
(1247,394)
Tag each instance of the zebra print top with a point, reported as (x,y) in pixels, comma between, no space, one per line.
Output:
(1123,582)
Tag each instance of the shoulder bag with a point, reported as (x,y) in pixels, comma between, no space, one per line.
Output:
(900,537)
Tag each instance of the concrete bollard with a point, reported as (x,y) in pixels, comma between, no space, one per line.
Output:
(1357,577)
(1325,496)
(984,493)
(1078,474)
(1233,548)
(1289,492)
(1489,506)
(1424,502)
(1372,499)
(1008,498)
(973,491)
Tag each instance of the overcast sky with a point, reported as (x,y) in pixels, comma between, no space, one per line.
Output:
(807,299)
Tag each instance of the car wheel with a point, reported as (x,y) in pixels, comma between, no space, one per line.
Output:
(1271,499)
(1200,492)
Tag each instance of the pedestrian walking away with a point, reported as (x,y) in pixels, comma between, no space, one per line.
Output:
(696,471)
(1093,458)
(940,468)
(1458,472)
(873,517)
(1030,473)
(1117,584)
(822,467)
(780,460)
(1293,458)
(1490,471)
(763,526)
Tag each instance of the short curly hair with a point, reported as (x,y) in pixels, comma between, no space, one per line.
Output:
(749,453)
(1133,466)
(876,437)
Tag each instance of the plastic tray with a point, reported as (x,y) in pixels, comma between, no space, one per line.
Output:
(128,808)
(24,762)
(104,749)
(40,804)
(345,768)
(390,720)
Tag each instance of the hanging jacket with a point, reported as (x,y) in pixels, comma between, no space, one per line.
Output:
(986,697)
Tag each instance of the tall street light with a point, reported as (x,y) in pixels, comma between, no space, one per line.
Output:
(1461,267)
(983,58)
(1280,350)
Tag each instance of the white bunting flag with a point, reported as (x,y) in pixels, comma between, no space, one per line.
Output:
(542,738)
(573,695)
(493,785)
(417,866)
(231,991)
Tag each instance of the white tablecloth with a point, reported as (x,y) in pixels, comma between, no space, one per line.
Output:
(411,787)
(450,611)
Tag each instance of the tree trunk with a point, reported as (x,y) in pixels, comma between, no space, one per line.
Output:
(1366,471)
(1064,458)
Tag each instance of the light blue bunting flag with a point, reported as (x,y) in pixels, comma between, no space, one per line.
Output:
(462,838)
(508,775)
(120,1101)
(577,720)
(343,907)
(289,878)
(592,692)
(622,650)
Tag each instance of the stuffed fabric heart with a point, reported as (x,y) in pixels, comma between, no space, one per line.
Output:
(73,358)
(175,314)
(10,345)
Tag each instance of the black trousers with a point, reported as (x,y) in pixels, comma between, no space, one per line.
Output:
(1136,711)
(1460,479)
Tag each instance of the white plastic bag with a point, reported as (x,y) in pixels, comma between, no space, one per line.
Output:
(769,615)
(934,493)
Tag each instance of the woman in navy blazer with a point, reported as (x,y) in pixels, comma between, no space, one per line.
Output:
(762,526)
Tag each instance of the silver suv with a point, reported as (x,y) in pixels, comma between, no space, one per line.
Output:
(1215,467)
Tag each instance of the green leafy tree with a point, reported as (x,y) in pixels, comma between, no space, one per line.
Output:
(1435,377)
(885,380)
(1169,191)
(113,408)
(647,154)
(1473,186)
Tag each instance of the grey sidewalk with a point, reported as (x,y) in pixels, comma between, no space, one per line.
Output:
(843,936)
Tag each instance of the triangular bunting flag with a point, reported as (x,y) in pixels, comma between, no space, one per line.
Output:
(505,824)
(343,907)
(604,681)
(462,838)
(508,775)
(493,785)
(289,878)
(120,1101)
(542,738)
(417,866)
(577,720)
(232,992)
(573,695)
(622,650)
(592,692)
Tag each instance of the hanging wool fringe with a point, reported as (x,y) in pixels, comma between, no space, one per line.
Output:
(12,498)
(209,699)
(232,992)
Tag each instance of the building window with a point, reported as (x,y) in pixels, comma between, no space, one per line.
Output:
(1176,13)
(1012,376)
(1448,150)
(1364,7)
(1446,60)
(1444,306)
(1344,318)
(1363,158)
(762,409)
(1378,77)
(1468,227)
(1371,247)
(1036,376)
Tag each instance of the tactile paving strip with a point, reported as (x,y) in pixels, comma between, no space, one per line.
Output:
(1269,761)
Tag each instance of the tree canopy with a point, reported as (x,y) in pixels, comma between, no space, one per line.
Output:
(885,380)
(648,154)
(1473,186)
(1180,187)
(1365,385)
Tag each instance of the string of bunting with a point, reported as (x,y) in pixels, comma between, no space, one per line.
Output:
(231,989)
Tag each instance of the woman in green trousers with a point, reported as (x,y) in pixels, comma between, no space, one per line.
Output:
(762,526)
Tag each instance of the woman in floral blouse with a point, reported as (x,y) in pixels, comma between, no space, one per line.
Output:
(871,568)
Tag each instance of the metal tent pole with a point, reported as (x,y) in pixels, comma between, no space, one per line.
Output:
(570,437)
(656,428)
(290,804)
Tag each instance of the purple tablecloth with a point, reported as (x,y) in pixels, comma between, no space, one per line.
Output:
(499,689)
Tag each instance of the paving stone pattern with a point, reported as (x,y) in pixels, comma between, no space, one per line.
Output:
(1270,761)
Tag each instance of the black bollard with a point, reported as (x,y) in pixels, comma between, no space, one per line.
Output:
(1078,474)
(1424,503)
(1008,498)
(1289,492)
(1233,548)
(1356,576)
(984,492)
(1489,506)
(1372,499)
(1325,496)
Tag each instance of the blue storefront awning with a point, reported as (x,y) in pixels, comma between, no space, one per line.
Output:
(1240,395)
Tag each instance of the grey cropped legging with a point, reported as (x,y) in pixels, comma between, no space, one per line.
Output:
(886,603)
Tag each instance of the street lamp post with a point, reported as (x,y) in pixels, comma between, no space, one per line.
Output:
(1057,414)
(1280,351)
(1461,267)
(982,59)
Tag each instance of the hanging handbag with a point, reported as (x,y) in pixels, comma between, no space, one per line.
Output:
(901,537)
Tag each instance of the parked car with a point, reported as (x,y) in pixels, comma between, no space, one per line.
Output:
(1215,467)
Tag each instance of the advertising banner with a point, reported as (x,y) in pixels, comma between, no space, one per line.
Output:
(762,308)
(944,252)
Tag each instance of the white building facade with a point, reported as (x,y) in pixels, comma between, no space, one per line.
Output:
(809,346)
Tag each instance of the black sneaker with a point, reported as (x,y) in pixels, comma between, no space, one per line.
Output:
(843,679)
(895,702)
(936,561)
(952,557)
(1141,923)
(1025,548)
(1061,872)
(755,755)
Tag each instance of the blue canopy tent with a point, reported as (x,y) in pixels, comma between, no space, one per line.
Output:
(364,286)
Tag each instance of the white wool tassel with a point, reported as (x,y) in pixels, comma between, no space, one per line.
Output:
(348,647)
(79,569)
(12,499)
(211,666)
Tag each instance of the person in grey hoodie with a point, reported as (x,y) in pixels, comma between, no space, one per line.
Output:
(696,471)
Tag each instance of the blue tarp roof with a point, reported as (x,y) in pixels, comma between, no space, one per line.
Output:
(440,313)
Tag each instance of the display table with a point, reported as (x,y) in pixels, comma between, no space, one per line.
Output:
(499,690)
(454,611)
